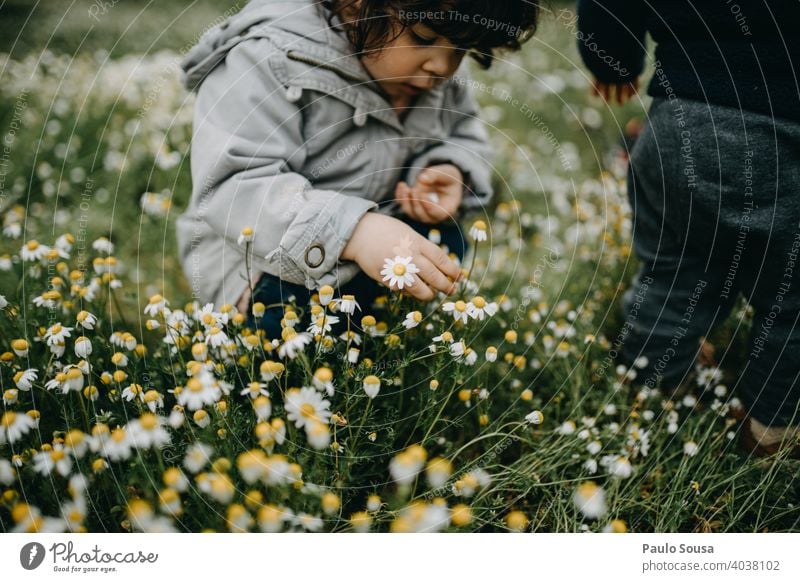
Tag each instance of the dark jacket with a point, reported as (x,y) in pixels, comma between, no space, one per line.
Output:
(737,53)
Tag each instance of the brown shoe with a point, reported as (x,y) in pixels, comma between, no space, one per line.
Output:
(749,444)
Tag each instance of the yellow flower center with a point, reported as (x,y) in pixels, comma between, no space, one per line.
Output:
(307,410)
(8,419)
(461,306)
(148,421)
(479,302)
(399,269)
(324,374)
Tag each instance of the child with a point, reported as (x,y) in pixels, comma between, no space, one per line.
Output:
(713,184)
(314,123)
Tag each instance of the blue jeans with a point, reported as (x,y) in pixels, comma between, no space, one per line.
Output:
(271,290)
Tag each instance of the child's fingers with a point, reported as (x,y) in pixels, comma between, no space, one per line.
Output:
(420,208)
(441,261)
(419,290)
(434,277)
(402,195)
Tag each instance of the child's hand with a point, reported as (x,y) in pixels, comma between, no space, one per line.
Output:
(378,237)
(622,91)
(436,195)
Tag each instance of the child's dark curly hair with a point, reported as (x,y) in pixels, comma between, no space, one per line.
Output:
(478,26)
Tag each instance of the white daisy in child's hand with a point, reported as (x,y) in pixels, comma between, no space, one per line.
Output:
(457,309)
(304,405)
(14,425)
(412,319)
(399,272)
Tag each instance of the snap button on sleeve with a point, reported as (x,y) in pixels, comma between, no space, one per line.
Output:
(315,254)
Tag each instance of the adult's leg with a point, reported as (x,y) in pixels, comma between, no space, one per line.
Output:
(678,294)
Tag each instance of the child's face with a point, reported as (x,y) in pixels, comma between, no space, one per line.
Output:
(415,61)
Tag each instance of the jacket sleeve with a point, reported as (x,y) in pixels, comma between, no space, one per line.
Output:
(247,153)
(611,38)
(465,146)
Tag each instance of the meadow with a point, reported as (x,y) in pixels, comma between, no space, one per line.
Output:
(127,406)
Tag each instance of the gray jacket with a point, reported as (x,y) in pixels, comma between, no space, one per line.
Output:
(292,138)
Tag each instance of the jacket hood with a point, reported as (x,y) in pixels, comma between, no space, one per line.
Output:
(300,25)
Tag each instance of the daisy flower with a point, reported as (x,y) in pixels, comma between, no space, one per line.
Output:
(83,347)
(216,338)
(271,370)
(56,334)
(45,461)
(196,457)
(147,431)
(210,318)
(478,231)
(406,465)
(348,304)
(199,391)
(293,343)
(103,245)
(618,466)
(325,295)
(20,347)
(246,236)
(133,392)
(457,309)
(318,435)
(304,405)
(478,308)
(25,379)
(254,390)
(372,386)
(399,272)
(156,306)
(14,425)
(323,380)
(33,251)
(322,324)
(535,417)
(590,499)
(412,319)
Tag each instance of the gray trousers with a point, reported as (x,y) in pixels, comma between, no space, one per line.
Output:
(715,194)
